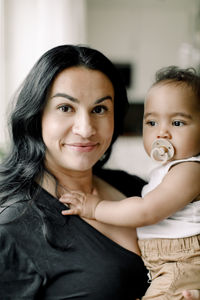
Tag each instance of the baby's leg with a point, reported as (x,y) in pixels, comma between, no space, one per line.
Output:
(172,279)
(174,265)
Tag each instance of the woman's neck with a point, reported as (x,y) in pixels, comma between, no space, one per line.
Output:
(68,181)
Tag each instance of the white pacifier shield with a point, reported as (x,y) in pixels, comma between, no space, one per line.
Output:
(162,150)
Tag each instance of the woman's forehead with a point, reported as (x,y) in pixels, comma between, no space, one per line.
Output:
(81,78)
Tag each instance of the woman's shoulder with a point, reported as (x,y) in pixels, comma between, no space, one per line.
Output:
(13,217)
(128,184)
(18,219)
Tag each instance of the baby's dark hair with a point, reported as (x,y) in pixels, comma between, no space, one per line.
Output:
(174,74)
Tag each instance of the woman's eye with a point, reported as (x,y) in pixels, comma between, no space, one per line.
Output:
(65,108)
(178,123)
(100,109)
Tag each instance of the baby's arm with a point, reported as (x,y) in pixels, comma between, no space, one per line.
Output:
(179,187)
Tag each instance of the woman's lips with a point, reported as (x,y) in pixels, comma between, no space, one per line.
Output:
(81,147)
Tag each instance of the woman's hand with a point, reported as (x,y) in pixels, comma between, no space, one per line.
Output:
(80,204)
(192,294)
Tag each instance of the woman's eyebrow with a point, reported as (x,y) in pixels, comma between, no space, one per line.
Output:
(63,95)
(108,97)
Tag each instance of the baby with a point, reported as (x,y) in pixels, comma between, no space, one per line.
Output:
(167,216)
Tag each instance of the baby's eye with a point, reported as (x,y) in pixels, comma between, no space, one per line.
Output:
(65,108)
(100,109)
(151,123)
(178,123)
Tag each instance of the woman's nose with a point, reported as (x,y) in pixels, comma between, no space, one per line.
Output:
(83,126)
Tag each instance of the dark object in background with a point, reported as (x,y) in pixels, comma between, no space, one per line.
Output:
(126,72)
(134,119)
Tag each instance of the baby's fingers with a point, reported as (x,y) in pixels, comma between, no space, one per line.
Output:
(73,204)
(70,211)
(73,207)
(69,199)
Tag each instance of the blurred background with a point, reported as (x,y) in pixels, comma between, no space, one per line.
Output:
(139,36)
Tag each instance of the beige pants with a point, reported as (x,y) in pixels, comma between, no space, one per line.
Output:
(174,265)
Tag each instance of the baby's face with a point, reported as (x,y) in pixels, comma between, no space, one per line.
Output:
(172,112)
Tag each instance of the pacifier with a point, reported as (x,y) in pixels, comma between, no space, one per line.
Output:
(162,150)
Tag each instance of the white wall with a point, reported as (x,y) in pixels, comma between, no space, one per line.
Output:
(34,26)
(129,155)
(2,72)
(148,33)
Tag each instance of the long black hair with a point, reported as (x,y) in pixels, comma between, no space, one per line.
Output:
(25,160)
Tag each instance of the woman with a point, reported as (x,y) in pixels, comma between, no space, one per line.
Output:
(68,113)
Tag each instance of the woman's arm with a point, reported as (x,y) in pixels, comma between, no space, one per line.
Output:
(171,195)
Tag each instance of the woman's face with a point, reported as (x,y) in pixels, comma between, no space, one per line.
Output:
(78,119)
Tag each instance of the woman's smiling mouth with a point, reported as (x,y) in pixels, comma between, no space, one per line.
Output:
(81,147)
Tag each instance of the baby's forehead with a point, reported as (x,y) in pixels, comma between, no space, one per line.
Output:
(172,83)
(171,95)
(166,85)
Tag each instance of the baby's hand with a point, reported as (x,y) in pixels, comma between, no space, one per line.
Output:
(80,204)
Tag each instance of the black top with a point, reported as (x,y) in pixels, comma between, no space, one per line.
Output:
(45,255)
